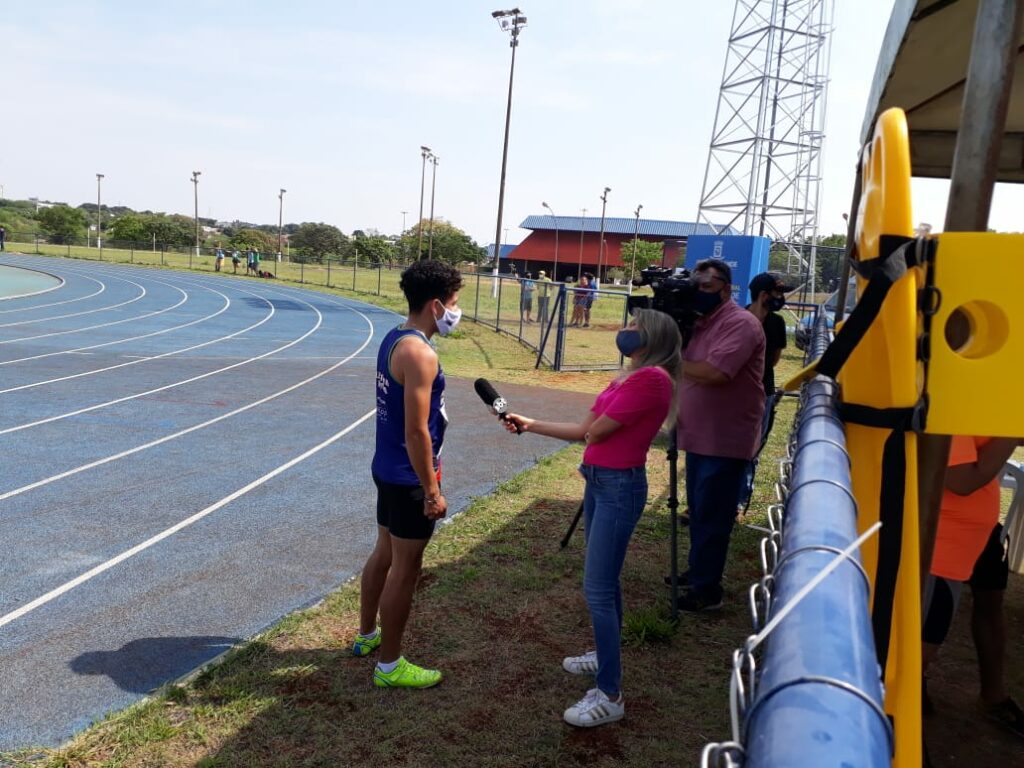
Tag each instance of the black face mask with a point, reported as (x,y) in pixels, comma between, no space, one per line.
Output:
(706,303)
(775,304)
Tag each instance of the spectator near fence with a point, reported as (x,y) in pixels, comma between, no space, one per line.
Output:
(3,238)
(218,259)
(579,301)
(544,286)
(526,288)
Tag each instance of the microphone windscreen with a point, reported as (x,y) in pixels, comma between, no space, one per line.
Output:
(486,392)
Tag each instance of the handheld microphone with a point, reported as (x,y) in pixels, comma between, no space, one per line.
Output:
(491,398)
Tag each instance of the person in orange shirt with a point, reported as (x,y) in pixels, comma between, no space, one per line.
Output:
(969,549)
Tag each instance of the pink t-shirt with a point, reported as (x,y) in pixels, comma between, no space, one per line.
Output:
(640,403)
(724,419)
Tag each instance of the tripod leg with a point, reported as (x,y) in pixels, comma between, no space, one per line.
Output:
(572,526)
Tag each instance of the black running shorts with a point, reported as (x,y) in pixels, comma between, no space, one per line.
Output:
(400,510)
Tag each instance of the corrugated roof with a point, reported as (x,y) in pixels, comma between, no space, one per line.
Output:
(506,249)
(623,226)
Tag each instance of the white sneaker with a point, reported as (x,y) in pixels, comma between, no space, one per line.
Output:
(581,665)
(595,709)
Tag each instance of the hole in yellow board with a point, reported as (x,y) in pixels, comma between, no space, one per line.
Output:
(977,329)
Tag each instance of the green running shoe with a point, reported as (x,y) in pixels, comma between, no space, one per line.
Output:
(406,675)
(363,646)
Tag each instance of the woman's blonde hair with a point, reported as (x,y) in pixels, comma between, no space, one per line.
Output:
(662,341)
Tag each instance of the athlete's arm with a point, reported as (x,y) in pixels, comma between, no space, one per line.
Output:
(965,479)
(415,366)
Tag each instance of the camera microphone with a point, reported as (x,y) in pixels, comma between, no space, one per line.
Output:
(491,398)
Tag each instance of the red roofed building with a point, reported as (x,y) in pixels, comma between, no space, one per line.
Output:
(578,238)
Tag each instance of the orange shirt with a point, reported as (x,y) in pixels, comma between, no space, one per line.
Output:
(965,522)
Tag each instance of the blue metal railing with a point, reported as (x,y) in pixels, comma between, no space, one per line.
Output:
(814,696)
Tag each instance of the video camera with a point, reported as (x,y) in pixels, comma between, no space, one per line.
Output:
(674,293)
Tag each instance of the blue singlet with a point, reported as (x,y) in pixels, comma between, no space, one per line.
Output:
(391,459)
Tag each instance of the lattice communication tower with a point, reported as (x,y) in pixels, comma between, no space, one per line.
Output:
(763,174)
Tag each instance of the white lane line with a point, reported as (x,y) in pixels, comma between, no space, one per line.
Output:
(144,315)
(126,398)
(102,286)
(205,317)
(84,311)
(131,338)
(60,284)
(92,573)
(203,425)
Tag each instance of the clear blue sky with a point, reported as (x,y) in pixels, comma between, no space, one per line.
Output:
(331,100)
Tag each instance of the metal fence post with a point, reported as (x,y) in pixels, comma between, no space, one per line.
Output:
(37,244)
(563,299)
(476,308)
(328,271)
(131,256)
(355,265)
(302,272)
(497,313)
(521,310)
(163,250)
(190,257)
(380,269)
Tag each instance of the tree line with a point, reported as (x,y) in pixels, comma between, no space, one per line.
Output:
(307,242)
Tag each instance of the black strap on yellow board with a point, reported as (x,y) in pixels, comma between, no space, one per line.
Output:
(896,254)
(891,498)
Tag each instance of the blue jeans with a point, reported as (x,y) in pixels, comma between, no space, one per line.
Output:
(613,501)
(713,488)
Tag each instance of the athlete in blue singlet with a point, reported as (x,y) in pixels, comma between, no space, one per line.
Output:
(391,462)
(406,468)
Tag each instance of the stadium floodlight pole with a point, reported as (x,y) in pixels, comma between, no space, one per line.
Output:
(99,213)
(579,271)
(636,236)
(280,220)
(511,21)
(600,242)
(404,213)
(554,270)
(424,153)
(195,182)
(433,186)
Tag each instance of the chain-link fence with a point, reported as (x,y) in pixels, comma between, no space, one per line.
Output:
(568,328)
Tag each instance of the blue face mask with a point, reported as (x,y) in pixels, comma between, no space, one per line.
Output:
(705,303)
(629,341)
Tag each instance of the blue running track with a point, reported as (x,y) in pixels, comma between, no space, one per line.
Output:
(185,460)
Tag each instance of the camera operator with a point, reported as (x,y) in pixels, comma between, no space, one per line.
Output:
(721,405)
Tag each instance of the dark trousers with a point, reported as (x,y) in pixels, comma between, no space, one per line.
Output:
(713,488)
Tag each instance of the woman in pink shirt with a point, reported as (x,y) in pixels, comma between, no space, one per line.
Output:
(618,431)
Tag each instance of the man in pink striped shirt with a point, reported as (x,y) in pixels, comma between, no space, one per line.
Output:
(721,405)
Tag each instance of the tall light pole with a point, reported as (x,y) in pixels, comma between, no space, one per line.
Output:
(511,21)
(403,221)
(433,186)
(600,242)
(195,182)
(99,213)
(554,270)
(424,153)
(636,235)
(280,220)
(583,223)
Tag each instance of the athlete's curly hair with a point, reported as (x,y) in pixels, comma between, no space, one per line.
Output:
(427,280)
